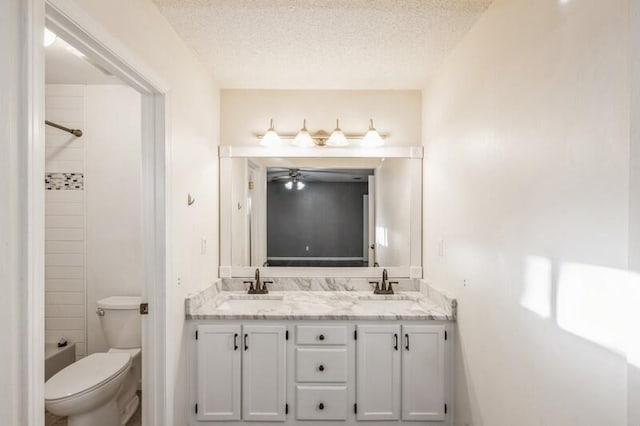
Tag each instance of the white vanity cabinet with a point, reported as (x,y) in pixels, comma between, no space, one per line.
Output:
(218,378)
(378,372)
(423,372)
(383,392)
(263,372)
(318,373)
(241,366)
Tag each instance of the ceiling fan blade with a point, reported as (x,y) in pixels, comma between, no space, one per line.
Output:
(283,177)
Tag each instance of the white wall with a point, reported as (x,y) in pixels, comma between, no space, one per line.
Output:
(247,112)
(527,182)
(634,202)
(113,200)
(193,117)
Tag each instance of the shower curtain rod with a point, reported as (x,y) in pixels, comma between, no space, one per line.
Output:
(75,132)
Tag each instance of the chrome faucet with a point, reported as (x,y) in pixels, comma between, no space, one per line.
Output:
(255,287)
(385,286)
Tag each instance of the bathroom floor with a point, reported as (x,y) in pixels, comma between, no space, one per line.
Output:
(53,420)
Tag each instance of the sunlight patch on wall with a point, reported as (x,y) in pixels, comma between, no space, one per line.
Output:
(536,295)
(601,305)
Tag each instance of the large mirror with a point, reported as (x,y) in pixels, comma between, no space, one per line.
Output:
(322,212)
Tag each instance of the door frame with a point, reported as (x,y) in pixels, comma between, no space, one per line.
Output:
(69,21)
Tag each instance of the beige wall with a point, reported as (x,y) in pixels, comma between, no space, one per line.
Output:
(527,183)
(193,117)
(247,112)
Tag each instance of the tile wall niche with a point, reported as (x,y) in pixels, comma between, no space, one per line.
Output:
(65,278)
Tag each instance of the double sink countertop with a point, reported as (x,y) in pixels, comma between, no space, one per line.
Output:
(424,303)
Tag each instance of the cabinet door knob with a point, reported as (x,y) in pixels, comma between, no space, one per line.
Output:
(321,406)
(321,337)
(321,368)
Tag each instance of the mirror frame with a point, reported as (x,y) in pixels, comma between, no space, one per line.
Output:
(227,153)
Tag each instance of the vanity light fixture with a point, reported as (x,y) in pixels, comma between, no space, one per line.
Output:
(288,184)
(337,138)
(300,185)
(271,138)
(372,139)
(303,138)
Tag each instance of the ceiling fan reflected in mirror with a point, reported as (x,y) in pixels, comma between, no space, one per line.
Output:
(292,177)
(297,178)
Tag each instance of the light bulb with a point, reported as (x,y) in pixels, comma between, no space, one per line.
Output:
(299,185)
(372,139)
(303,138)
(271,138)
(288,185)
(49,37)
(337,138)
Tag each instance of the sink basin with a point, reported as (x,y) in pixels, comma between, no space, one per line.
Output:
(241,304)
(392,305)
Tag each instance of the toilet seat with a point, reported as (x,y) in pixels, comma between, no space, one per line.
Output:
(85,375)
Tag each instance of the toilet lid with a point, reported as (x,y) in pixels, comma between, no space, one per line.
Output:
(85,374)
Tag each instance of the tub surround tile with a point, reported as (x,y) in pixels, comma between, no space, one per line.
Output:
(64,181)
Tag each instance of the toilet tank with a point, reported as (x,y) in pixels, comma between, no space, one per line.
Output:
(120,321)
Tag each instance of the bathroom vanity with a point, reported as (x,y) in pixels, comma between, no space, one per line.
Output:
(327,228)
(321,357)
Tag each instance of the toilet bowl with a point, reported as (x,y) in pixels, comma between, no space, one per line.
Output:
(86,390)
(100,389)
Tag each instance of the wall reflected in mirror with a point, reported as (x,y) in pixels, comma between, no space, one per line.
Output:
(321,212)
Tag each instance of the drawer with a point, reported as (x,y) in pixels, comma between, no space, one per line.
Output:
(321,335)
(321,403)
(321,365)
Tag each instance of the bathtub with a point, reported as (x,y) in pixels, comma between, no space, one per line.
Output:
(55,358)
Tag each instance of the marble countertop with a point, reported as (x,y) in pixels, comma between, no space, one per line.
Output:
(319,305)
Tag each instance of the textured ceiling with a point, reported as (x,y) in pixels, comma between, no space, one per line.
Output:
(322,44)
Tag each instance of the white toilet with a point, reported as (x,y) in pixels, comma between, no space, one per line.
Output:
(100,389)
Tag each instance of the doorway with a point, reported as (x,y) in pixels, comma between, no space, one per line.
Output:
(105,52)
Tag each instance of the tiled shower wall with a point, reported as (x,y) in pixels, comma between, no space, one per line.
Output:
(65,303)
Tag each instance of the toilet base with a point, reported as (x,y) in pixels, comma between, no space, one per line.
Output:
(107,415)
(129,410)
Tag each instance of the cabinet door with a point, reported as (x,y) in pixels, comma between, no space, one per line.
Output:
(423,372)
(263,372)
(378,372)
(218,348)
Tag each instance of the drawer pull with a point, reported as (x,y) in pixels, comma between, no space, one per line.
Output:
(321,406)
(395,346)
(235,341)
(321,368)
(321,337)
